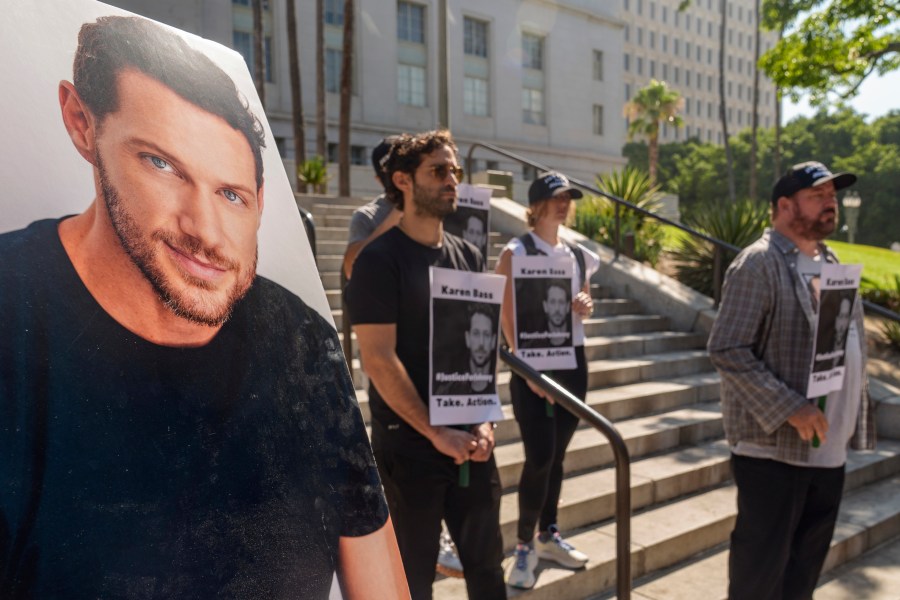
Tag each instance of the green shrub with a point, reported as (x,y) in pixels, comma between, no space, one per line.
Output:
(739,224)
(888,297)
(595,217)
(314,172)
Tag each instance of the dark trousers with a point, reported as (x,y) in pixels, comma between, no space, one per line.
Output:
(422,492)
(545,439)
(785,520)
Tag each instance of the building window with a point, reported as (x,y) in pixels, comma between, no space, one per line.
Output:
(676,43)
(627,92)
(476,37)
(242,41)
(677,74)
(640,65)
(532,52)
(411,22)
(665,71)
(533,106)
(665,43)
(334,12)
(358,155)
(665,11)
(652,39)
(640,40)
(410,85)
(687,77)
(598,119)
(627,61)
(598,65)
(412,55)
(333,70)
(476,68)
(652,68)
(652,10)
(475,96)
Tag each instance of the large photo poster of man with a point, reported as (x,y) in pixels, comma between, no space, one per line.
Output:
(176,416)
(542,304)
(465,323)
(472,219)
(838,288)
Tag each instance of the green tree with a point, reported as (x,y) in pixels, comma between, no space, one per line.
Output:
(831,46)
(650,106)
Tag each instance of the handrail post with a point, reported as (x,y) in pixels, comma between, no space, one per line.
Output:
(717,276)
(620,454)
(618,233)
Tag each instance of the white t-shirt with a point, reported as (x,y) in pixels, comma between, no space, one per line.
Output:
(591,264)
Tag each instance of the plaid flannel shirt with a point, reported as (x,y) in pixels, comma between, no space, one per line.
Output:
(761,345)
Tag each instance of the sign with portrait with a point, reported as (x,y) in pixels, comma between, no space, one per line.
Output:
(472,219)
(542,304)
(172,387)
(838,288)
(465,322)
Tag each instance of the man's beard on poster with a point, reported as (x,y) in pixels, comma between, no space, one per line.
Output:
(195,310)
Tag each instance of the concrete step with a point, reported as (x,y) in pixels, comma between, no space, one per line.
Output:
(666,535)
(605,307)
(591,497)
(875,576)
(622,324)
(615,403)
(331,246)
(322,210)
(606,372)
(869,516)
(334,220)
(589,449)
(331,233)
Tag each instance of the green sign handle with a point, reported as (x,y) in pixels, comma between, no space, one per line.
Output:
(464,475)
(549,408)
(815,441)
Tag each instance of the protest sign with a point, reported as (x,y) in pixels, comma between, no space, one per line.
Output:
(542,303)
(465,322)
(472,221)
(838,285)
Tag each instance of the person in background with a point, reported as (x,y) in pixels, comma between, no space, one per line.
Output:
(546,434)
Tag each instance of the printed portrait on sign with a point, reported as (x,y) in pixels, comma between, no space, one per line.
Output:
(470,224)
(835,316)
(465,347)
(545,312)
(176,414)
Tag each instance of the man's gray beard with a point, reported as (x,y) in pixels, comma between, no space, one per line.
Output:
(143,258)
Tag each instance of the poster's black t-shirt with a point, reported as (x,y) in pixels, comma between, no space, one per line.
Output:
(390,285)
(131,470)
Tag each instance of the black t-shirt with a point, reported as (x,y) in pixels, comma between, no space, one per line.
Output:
(132,470)
(390,285)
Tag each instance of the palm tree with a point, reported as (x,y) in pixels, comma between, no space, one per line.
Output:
(346,98)
(259,68)
(651,105)
(296,93)
(729,160)
(321,140)
(755,118)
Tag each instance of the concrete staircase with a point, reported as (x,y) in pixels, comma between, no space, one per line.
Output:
(656,383)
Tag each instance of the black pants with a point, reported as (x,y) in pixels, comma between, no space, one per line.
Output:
(785,520)
(422,492)
(545,439)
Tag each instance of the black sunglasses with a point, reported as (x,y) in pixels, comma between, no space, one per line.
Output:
(440,172)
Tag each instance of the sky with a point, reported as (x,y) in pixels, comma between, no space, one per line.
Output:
(877,95)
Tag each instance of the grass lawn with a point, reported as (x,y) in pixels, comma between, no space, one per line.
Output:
(879,264)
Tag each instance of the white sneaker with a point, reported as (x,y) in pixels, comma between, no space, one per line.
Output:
(559,550)
(521,570)
(448,562)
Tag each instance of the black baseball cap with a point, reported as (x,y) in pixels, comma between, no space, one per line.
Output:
(550,184)
(807,175)
(380,154)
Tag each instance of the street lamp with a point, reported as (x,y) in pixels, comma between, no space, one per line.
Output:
(851,203)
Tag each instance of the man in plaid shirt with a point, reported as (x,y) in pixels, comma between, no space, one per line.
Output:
(761,344)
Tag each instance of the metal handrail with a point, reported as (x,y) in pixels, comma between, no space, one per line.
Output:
(310,225)
(620,452)
(719,245)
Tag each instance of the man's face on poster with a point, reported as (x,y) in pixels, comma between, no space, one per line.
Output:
(842,322)
(480,339)
(556,306)
(474,231)
(179,184)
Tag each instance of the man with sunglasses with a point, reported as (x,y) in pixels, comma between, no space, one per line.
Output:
(388,302)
